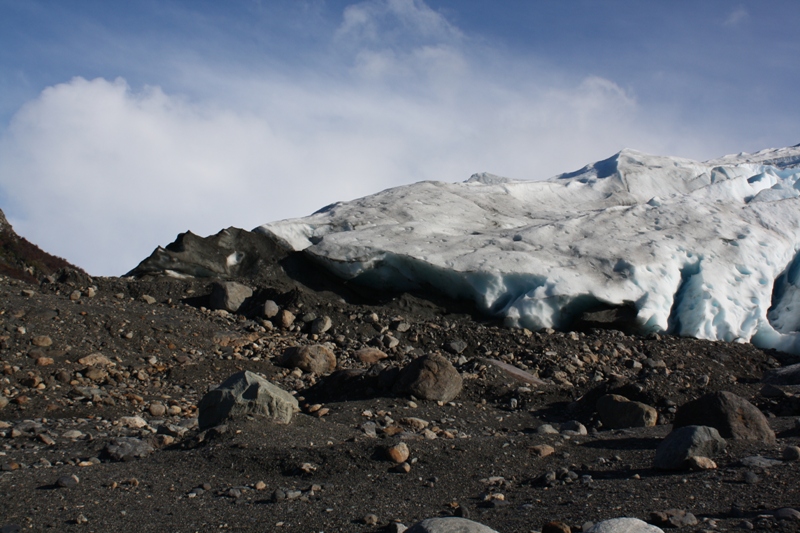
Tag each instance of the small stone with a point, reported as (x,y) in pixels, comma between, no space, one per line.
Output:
(546,429)
(700,463)
(96,374)
(370,520)
(44,361)
(370,356)
(157,409)
(791,453)
(286,319)
(42,341)
(455,346)
(72,434)
(261,486)
(398,453)
(321,325)
(573,427)
(146,298)
(542,450)
(402,468)
(271,309)
(80,519)
(135,422)
(68,482)
(556,527)
(174,410)
(750,478)
(75,296)
(95,359)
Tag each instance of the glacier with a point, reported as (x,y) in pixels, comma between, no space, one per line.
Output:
(701,249)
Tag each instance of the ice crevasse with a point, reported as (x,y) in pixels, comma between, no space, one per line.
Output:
(702,249)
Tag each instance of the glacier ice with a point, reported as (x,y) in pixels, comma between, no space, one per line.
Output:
(702,249)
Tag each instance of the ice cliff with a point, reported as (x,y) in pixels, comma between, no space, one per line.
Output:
(703,249)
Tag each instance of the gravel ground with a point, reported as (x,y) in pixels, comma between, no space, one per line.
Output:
(480,456)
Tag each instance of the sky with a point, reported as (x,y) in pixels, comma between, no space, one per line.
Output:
(123,124)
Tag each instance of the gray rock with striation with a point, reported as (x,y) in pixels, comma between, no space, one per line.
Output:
(246,393)
(685,442)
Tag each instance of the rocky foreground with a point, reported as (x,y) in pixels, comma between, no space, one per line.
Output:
(344,411)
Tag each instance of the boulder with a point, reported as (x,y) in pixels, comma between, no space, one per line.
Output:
(229,295)
(685,442)
(449,524)
(786,375)
(316,358)
(617,412)
(733,416)
(128,448)
(624,525)
(246,393)
(430,377)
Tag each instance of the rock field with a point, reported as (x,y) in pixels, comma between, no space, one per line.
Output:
(345,412)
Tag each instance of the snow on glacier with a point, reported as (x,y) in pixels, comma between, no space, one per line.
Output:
(702,249)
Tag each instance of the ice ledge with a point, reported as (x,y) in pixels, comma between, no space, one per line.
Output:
(694,248)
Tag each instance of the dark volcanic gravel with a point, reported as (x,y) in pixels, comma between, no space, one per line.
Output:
(477,456)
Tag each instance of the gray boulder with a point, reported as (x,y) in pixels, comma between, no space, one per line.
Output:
(430,377)
(786,375)
(316,358)
(128,448)
(733,416)
(624,525)
(617,412)
(685,442)
(246,393)
(229,295)
(449,524)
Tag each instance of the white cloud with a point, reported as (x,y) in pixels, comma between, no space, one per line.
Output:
(736,17)
(101,174)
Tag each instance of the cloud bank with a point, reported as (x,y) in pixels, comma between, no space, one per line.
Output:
(100,173)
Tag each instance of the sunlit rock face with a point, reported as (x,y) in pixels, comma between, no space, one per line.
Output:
(702,249)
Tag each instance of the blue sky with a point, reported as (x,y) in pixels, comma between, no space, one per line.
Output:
(124,123)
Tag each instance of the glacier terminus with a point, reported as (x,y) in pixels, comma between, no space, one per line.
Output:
(701,249)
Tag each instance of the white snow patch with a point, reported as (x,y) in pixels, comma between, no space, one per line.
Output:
(708,250)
